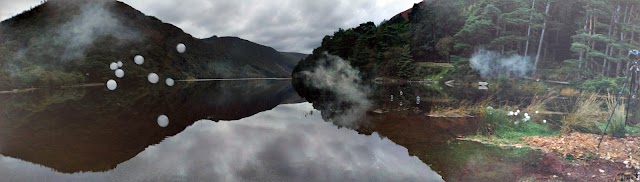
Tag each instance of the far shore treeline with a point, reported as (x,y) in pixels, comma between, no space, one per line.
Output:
(567,40)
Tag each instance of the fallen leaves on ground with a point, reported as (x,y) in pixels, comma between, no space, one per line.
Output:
(584,146)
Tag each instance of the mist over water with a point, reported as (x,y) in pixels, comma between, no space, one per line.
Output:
(335,75)
(491,64)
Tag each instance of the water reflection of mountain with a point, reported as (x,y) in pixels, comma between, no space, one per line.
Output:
(93,129)
(293,146)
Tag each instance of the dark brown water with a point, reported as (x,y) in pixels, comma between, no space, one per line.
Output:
(266,132)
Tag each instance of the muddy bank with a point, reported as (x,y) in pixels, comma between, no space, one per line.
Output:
(572,158)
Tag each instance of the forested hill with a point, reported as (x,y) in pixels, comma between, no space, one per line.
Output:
(67,42)
(564,39)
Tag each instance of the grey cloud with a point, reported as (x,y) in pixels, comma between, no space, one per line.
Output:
(286,25)
(277,145)
(9,8)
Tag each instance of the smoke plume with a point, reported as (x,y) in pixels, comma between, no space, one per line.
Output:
(491,64)
(343,82)
(93,22)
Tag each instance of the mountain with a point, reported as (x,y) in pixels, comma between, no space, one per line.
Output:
(294,58)
(67,42)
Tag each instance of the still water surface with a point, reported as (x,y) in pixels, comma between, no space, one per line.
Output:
(264,132)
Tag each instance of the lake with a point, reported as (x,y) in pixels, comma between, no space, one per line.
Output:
(239,131)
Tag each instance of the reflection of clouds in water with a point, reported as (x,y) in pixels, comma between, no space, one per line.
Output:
(278,145)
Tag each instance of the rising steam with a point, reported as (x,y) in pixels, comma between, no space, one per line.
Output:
(343,82)
(491,64)
(94,21)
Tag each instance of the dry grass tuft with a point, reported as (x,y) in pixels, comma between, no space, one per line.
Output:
(585,115)
(538,102)
(569,92)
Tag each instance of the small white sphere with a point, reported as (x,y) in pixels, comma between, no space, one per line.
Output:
(113,66)
(119,73)
(112,85)
(544,121)
(153,78)
(163,121)
(170,82)
(181,48)
(138,59)
(120,64)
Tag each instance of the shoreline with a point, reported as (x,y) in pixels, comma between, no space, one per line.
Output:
(231,79)
(17,91)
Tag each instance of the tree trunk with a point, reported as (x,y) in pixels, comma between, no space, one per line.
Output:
(526,47)
(618,68)
(583,54)
(608,49)
(544,28)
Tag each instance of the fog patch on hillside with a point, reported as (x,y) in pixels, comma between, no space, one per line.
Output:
(94,21)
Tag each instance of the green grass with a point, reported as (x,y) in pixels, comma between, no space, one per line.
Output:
(633,130)
(510,129)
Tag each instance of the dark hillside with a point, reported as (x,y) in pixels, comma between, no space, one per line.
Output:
(64,42)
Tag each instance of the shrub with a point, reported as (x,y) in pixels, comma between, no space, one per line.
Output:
(617,125)
(602,85)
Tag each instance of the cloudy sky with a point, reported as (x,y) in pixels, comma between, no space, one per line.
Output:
(286,25)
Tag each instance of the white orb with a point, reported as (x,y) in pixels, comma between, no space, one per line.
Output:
(170,82)
(138,59)
(113,66)
(163,121)
(112,84)
(119,73)
(120,64)
(181,48)
(153,78)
